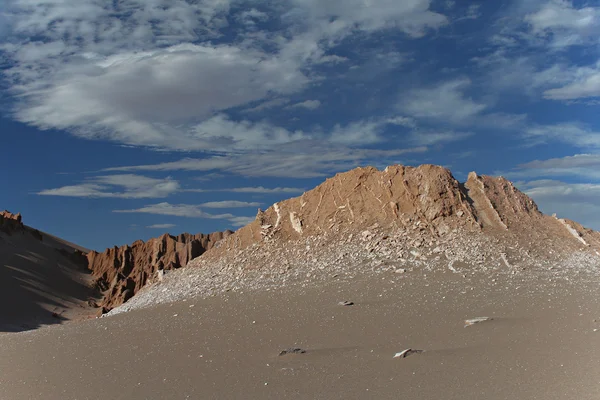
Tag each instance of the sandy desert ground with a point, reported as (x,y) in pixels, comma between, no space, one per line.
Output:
(542,343)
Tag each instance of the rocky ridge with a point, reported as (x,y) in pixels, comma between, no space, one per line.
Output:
(120,272)
(396,221)
(13,223)
(10,222)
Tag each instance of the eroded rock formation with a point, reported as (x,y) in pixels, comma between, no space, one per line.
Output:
(401,196)
(396,221)
(121,271)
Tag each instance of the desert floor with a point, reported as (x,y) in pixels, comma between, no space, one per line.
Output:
(541,344)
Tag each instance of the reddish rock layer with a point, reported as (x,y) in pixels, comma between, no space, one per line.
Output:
(121,271)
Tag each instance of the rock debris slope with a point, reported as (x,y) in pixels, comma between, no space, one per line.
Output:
(396,220)
(120,272)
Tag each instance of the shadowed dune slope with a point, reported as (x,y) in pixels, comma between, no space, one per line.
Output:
(43,279)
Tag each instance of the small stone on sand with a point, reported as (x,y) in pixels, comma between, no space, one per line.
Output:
(476,320)
(406,353)
(292,350)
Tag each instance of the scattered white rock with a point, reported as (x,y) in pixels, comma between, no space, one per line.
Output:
(406,353)
(476,320)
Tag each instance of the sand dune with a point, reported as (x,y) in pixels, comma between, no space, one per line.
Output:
(41,281)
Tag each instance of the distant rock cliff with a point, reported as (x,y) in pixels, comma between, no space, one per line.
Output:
(120,272)
(13,223)
(10,222)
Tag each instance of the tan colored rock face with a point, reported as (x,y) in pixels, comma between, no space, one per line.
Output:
(361,197)
(399,220)
(400,197)
(121,271)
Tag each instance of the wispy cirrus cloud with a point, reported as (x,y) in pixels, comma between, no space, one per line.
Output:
(572,133)
(568,186)
(444,102)
(576,201)
(578,166)
(307,104)
(263,190)
(161,226)
(249,190)
(291,162)
(186,211)
(531,43)
(230,204)
(126,186)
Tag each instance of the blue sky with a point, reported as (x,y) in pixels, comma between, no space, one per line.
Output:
(123,120)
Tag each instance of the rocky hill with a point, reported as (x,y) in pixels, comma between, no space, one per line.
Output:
(43,279)
(400,197)
(395,220)
(120,272)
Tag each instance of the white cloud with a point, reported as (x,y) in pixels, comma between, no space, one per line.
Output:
(338,17)
(358,133)
(126,186)
(331,59)
(279,102)
(229,204)
(583,82)
(402,121)
(576,201)
(446,102)
(184,210)
(162,226)
(308,104)
(531,59)
(250,17)
(263,190)
(150,73)
(144,98)
(575,161)
(565,25)
(299,160)
(254,190)
(572,133)
(579,166)
(433,137)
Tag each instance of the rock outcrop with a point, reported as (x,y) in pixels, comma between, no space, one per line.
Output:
(395,219)
(13,223)
(10,222)
(400,197)
(120,272)
(390,223)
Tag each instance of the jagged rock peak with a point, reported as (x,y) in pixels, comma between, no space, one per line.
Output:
(120,272)
(398,196)
(8,215)
(10,222)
